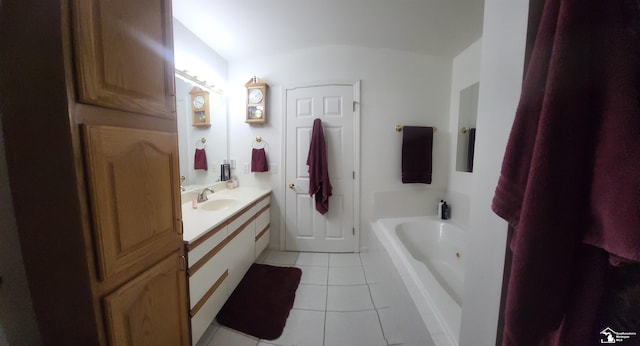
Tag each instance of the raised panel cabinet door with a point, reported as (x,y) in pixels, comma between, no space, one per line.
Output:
(124,55)
(152,308)
(133,187)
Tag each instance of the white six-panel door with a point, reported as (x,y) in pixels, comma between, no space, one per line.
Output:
(305,228)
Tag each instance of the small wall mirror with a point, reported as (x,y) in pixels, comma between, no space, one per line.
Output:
(191,137)
(467,127)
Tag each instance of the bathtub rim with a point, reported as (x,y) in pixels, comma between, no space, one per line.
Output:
(384,230)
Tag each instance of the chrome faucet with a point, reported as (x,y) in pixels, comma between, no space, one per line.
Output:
(202,196)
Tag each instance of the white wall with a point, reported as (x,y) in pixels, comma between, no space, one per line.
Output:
(465,72)
(397,88)
(503,44)
(192,54)
(18,324)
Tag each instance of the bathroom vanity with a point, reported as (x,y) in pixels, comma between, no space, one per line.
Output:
(222,238)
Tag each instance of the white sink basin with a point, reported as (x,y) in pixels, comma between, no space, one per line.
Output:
(218,204)
(187,197)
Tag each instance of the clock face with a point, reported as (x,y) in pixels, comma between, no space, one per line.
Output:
(255,96)
(198,101)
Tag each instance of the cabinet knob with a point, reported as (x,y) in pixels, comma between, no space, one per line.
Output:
(292,186)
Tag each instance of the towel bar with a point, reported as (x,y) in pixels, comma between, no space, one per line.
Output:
(399,128)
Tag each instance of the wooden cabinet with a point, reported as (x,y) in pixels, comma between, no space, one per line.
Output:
(148,310)
(132,175)
(220,258)
(93,166)
(124,55)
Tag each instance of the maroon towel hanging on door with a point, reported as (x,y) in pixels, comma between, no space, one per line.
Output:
(319,183)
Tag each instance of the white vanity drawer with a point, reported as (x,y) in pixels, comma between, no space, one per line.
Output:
(206,243)
(204,277)
(263,203)
(202,318)
(262,220)
(240,220)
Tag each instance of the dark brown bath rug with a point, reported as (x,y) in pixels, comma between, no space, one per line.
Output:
(260,305)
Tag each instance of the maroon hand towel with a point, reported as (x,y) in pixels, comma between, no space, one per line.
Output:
(571,174)
(259,160)
(319,169)
(417,144)
(200,160)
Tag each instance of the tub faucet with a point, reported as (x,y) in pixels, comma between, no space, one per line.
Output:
(202,196)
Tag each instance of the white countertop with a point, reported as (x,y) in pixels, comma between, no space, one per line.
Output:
(198,221)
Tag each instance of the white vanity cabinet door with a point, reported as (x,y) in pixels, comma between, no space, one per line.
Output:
(241,251)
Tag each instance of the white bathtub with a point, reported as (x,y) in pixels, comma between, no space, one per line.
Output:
(429,256)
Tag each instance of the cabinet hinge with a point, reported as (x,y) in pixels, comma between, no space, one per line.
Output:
(183,264)
(354,106)
(180,226)
(354,175)
(353,231)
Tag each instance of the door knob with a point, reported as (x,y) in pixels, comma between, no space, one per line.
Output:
(292,186)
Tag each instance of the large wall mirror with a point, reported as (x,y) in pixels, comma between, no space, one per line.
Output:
(191,137)
(467,127)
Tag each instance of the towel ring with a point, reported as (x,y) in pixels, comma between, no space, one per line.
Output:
(202,141)
(259,140)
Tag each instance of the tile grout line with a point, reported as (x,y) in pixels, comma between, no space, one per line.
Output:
(326,303)
(374,306)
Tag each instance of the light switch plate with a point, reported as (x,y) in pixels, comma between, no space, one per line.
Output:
(245,168)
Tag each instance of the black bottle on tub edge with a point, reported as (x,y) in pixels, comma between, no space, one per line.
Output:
(446,211)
